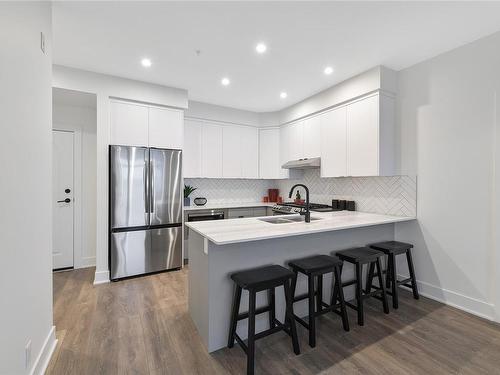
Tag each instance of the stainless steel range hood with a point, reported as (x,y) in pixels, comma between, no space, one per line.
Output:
(306,163)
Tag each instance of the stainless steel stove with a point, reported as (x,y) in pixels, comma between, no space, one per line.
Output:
(295,208)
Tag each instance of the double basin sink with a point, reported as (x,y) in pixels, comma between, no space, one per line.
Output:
(286,220)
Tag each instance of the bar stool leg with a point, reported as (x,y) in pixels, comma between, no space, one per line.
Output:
(272,307)
(412,274)
(369,278)
(234,315)
(312,327)
(340,293)
(251,334)
(289,317)
(319,293)
(335,287)
(394,277)
(380,280)
(359,293)
(388,273)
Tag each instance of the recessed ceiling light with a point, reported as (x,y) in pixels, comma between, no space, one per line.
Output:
(225,81)
(283,95)
(261,48)
(328,70)
(146,62)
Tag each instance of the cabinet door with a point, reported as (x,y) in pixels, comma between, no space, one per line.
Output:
(334,143)
(249,152)
(285,137)
(166,128)
(312,137)
(269,154)
(211,150)
(363,137)
(192,149)
(295,142)
(129,124)
(231,152)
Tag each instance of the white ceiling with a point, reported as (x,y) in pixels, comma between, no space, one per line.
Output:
(302,38)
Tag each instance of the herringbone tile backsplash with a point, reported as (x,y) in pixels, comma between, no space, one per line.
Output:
(395,195)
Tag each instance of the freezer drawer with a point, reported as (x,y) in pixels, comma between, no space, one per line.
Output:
(166,247)
(130,253)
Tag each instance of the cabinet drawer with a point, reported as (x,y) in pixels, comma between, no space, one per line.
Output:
(234,213)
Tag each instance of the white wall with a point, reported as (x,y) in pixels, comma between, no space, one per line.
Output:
(214,112)
(25,188)
(448,122)
(81,118)
(105,86)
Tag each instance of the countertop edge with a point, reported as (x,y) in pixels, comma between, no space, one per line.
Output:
(313,231)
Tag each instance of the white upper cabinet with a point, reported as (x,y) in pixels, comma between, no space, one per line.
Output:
(211,150)
(363,137)
(141,125)
(191,154)
(129,124)
(334,143)
(296,141)
(240,155)
(311,134)
(249,152)
(166,128)
(269,152)
(231,152)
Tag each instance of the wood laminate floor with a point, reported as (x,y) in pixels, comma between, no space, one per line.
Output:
(142,326)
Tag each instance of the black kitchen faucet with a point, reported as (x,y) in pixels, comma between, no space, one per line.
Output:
(307,213)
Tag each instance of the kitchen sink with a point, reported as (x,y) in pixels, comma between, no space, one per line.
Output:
(287,220)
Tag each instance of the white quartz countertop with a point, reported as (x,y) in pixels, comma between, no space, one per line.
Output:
(221,206)
(222,232)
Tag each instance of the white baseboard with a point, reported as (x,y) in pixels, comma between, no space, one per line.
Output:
(471,305)
(101,277)
(85,262)
(43,358)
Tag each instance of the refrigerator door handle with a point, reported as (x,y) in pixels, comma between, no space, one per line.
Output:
(146,189)
(152,187)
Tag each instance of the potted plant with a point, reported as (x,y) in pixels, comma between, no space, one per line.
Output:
(188,189)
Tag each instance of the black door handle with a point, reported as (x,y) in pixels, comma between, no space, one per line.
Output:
(67,200)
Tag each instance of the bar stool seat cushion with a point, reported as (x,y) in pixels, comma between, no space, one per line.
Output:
(359,255)
(315,263)
(391,247)
(262,277)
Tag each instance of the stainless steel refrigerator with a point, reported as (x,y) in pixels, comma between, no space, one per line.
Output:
(145,210)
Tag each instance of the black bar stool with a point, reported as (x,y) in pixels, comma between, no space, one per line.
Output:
(360,256)
(256,280)
(391,249)
(316,267)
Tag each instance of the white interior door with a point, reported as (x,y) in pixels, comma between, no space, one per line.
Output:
(62,196)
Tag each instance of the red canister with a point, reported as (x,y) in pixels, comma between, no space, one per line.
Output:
(273,195)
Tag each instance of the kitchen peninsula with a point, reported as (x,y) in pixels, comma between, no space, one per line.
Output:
(219,248)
